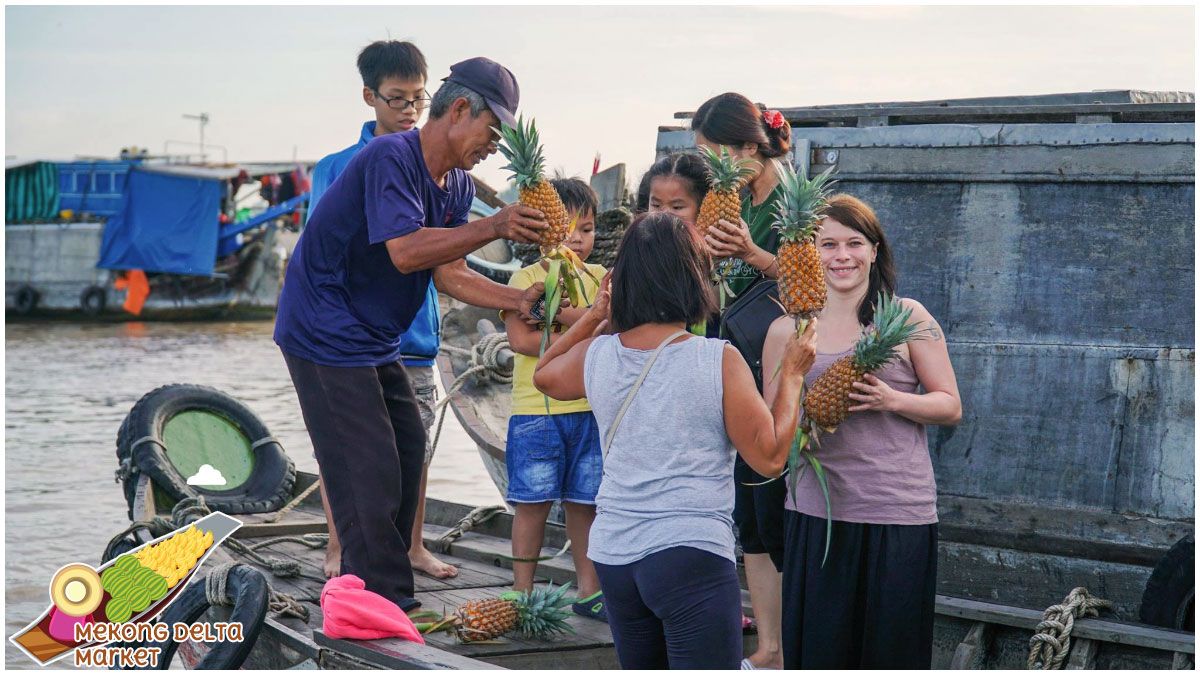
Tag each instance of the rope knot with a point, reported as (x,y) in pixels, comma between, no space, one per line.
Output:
(1049,646)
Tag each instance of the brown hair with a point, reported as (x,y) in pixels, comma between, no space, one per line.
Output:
(731,119)
(661,274)
(856,215)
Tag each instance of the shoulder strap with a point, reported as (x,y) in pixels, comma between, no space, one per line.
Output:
(612,430)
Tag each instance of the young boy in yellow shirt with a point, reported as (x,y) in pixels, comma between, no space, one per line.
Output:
(554,456)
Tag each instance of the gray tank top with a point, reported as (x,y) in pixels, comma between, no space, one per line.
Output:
(877,464)
(668,475)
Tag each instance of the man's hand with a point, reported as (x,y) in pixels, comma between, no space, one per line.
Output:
(521,224)
(530,297)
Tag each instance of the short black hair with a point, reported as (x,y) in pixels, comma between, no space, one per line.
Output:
(390,58)
(576,195)
(686,165)
(661,274)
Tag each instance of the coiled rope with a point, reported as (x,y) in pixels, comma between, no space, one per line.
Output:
(482,360)
(281,604)
(1049,646)
(468,523)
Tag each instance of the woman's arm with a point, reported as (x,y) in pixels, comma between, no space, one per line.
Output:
(940,404)
(763,435)
(559,373)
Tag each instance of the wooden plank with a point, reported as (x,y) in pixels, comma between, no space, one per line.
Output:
(1083,654)
(971,653)
(1182,111)
(601,658)
(253,530)
(397,654)
(1080,533)
(1096,629)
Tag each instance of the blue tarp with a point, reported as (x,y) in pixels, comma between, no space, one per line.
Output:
(166,223)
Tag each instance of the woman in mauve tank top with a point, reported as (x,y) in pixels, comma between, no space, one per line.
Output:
(870,603)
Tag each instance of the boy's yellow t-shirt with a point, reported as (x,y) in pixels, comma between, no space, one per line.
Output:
(526,399)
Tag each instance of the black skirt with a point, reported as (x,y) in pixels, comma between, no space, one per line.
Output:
(870,606)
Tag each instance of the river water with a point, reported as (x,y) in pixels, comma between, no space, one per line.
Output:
(67,388)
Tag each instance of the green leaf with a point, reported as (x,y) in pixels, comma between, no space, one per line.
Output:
(553,298)
(820,474)
(795,471)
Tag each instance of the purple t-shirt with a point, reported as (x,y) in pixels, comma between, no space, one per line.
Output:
(343,301)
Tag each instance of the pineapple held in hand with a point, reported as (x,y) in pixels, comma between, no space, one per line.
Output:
(539,613)
(726,176)
(801,273)
(524,154)
(827,403)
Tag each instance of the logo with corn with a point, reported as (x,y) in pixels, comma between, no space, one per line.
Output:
(132,588)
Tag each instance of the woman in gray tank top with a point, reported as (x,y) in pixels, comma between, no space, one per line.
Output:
(870,604)
(672,409)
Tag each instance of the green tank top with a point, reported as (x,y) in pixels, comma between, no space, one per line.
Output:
(759,218)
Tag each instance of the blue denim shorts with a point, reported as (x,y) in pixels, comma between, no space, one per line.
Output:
(553,457)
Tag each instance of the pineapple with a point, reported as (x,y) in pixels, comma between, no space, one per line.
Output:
(524,154)
(827,403)
(539,613)
(725,177)
(801,274)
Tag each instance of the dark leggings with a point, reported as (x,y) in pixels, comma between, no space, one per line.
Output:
(678,608)
(869,606)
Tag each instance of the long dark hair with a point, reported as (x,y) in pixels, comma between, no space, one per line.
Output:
(731,119)
(661,274)
(856,215)
(688,166)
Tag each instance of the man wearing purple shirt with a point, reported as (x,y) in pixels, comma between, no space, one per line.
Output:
(394,219)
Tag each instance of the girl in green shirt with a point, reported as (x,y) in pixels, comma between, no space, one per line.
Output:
(746,251)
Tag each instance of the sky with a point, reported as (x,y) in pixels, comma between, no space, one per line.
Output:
(280,81)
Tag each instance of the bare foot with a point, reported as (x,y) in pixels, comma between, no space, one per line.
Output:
(333,559)
(421,559)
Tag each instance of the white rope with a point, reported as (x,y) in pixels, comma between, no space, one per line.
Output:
(482,361)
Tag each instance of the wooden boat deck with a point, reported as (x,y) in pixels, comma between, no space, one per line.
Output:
(967,633)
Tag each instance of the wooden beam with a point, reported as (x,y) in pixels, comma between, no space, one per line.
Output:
(971,653)
(1083,654)
(1097,629)
(401,654)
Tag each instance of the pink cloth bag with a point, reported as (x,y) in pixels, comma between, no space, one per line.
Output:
(353,612)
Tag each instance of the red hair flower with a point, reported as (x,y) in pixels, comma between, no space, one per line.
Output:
(774,118)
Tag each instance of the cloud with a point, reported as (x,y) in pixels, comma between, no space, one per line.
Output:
(207,475)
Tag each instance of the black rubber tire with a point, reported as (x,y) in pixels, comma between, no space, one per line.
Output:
(250,593)
(479,265)
(270,483)
(26,300)
(1169,598)
(93,300)
(120,547)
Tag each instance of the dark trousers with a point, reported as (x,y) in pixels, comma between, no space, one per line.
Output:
(678,608)
(870,606)
(758,511)
(366,430)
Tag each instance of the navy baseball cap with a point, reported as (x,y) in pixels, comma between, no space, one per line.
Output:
(495,83)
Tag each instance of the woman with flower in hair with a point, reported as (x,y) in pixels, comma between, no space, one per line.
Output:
(746,250)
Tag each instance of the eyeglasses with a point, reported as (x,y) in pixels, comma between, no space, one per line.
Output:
(401,103)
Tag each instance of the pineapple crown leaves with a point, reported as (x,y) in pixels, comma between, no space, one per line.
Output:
(543,611)
(522,149)
(889,330)
(725,172)
(802,203)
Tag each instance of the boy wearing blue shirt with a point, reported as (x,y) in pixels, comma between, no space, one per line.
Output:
(394,76)
(393,220)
